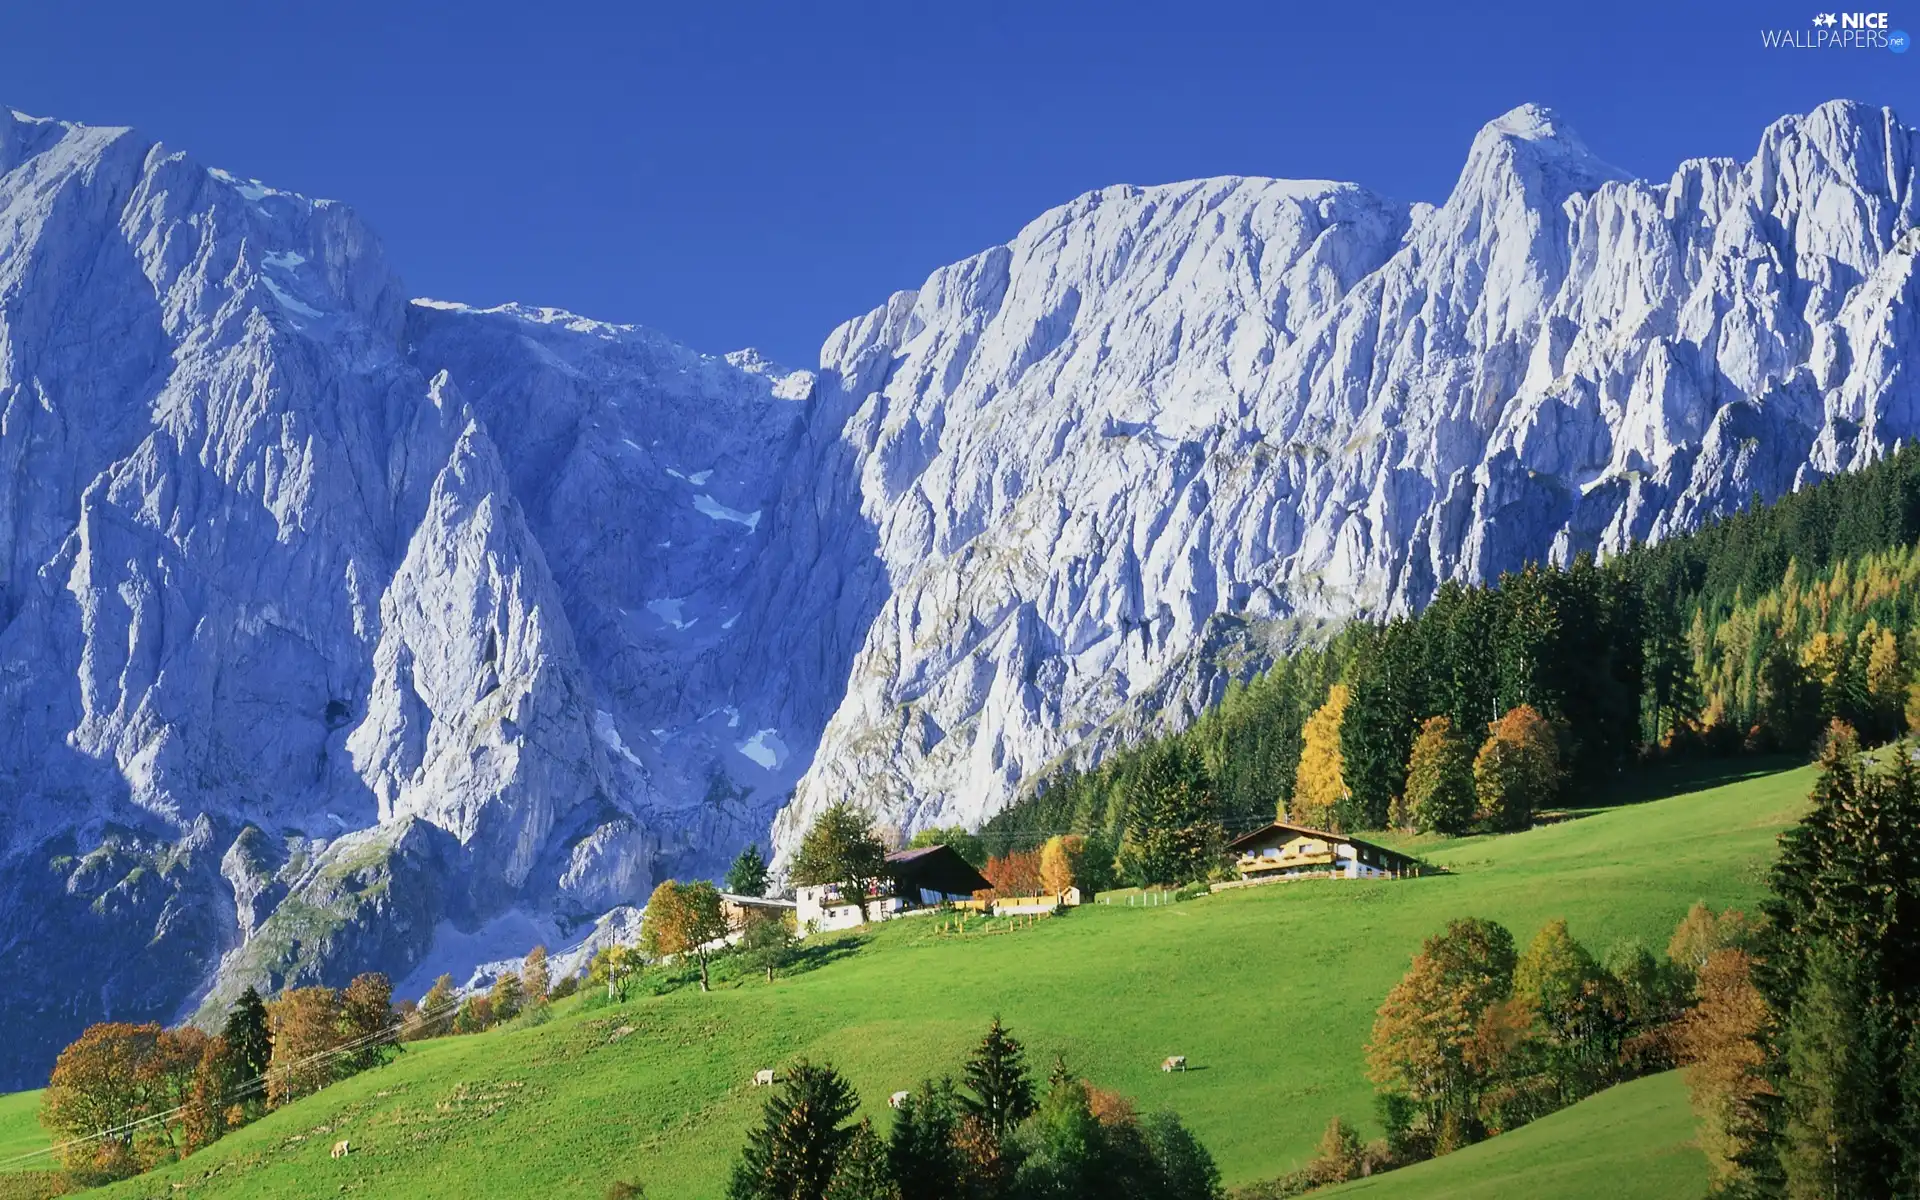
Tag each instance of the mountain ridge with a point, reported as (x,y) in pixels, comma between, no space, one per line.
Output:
(337,626)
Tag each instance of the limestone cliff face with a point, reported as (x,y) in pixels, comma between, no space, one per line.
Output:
(339,631)
(329,622)
(1158,409)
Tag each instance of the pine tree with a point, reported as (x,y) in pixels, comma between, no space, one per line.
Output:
(249,1047)
(921,1151)
(1839,970)
(1377,727)
(1831,1141)
(996,1074)
(794,1152)
(861,1172)
(748,874)
(1174,833)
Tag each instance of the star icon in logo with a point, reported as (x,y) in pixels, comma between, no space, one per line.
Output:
(1826,19)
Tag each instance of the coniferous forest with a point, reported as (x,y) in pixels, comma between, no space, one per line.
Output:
(1747,636)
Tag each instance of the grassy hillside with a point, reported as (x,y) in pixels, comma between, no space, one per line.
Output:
(1269,992)
(1632,1142)
(20,1133)
(20,1130)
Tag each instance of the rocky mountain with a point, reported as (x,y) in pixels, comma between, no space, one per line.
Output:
(335,625)
(340,631)
(1158,412)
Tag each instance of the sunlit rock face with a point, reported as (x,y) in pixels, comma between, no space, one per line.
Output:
(340,631)
(1160,412)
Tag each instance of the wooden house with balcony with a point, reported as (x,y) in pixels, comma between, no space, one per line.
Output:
(1282,851)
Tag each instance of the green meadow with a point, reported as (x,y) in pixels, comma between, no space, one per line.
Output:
(1632,1142)
(20,1130)
(1268,992)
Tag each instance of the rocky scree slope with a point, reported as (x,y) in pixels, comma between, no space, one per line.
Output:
(338,630)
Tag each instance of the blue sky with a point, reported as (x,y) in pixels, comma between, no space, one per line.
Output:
(741,173)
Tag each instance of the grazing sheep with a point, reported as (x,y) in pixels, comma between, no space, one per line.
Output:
(341,1147)
(1174,1062)
(897,1099)
(761,1078)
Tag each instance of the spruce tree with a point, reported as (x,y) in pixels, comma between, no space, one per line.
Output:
(249,1046)
(748,874)
(1377,729)
(1839,970)
(996,1074)
(796,1149)
(861,1172)
(1831,1141)
(921,1151)
(1174,833)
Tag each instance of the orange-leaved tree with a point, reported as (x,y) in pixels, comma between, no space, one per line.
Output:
(99,1086)
(367,1021)
(306,1030)
(1517,771)
(1424,1056)
(1720,1043)
(1015,874)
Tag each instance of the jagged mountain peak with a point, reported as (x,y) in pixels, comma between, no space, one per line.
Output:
(1534,123)
(386,627)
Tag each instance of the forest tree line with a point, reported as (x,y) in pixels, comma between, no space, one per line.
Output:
(1746,636)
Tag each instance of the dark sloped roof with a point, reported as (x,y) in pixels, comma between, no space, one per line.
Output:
(936,869)
(1292,831)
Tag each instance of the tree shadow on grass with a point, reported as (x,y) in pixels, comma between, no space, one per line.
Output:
(812,955)
(1666,780)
